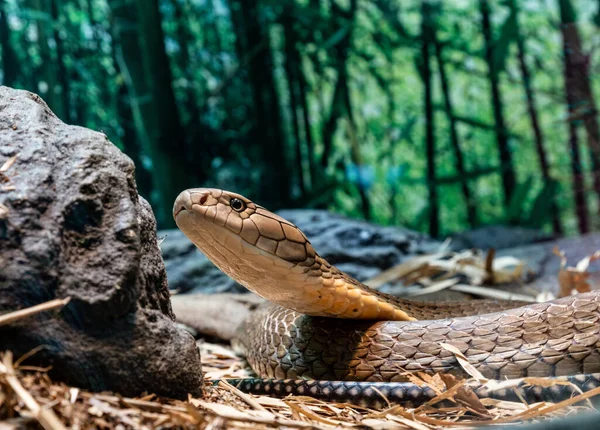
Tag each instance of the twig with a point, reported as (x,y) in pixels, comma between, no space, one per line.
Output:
(142,404)
(301,410)
(23,313)
(8,164)
(534,412)
(27,355)
(46,417)
(258,417)
(245,397)
(491,293)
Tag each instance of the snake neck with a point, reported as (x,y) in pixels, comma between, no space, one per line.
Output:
(337,294)
(341,296)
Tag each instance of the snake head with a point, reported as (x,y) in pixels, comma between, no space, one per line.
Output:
(205,209)
(254,246)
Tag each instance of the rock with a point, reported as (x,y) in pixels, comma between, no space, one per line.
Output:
(359,248)
(73,225)
(203,313)
(189,270)
(497,237)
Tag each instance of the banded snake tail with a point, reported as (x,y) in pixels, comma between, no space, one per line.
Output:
(330,336)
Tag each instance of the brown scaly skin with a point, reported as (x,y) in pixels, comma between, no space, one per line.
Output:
(383,341)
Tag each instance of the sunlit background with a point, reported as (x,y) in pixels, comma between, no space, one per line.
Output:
(438,116)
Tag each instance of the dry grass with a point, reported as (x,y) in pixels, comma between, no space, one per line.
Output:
(29,398)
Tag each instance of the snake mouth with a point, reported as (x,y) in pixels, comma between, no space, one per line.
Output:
(177,211)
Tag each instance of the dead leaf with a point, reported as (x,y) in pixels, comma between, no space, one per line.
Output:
(574,279)
(464,362)
(465,396)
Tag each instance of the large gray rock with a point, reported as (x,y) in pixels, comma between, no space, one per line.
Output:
(73,225)
(498,237)
(359,248)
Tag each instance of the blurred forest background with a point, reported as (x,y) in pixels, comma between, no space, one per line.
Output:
(436,115)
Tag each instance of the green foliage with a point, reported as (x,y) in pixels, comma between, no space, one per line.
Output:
(242,72)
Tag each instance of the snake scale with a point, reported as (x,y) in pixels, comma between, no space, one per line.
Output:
(329,336)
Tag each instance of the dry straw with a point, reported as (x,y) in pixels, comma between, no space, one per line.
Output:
(28,395)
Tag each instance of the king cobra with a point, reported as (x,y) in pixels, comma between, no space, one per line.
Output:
(329,336)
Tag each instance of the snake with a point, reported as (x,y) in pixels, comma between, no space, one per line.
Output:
(327,335)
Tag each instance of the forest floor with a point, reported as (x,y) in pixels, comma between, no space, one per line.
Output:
(29,397)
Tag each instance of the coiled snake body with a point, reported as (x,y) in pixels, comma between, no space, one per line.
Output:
(330,336)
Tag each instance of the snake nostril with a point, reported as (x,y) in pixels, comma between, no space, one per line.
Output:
(203,198)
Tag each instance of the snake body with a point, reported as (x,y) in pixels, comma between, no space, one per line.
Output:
(331,336)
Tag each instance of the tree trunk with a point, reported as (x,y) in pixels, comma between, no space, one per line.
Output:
(63,74)
(131,144)
(342,49)
(291,68)
(427,38)
(575,71)
(48,71)
(581,209)
(142,55)
(357,160)
(454,139)
(342,104)
(127,110)
(167,140)
(10,65)
(310,147)
(84,114)
(213,30)
(533,117)
(300,87)
(336,111)
(509,181)
(185,41)
(580,97)
(252,33)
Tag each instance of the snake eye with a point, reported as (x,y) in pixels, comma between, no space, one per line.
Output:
(237,205)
